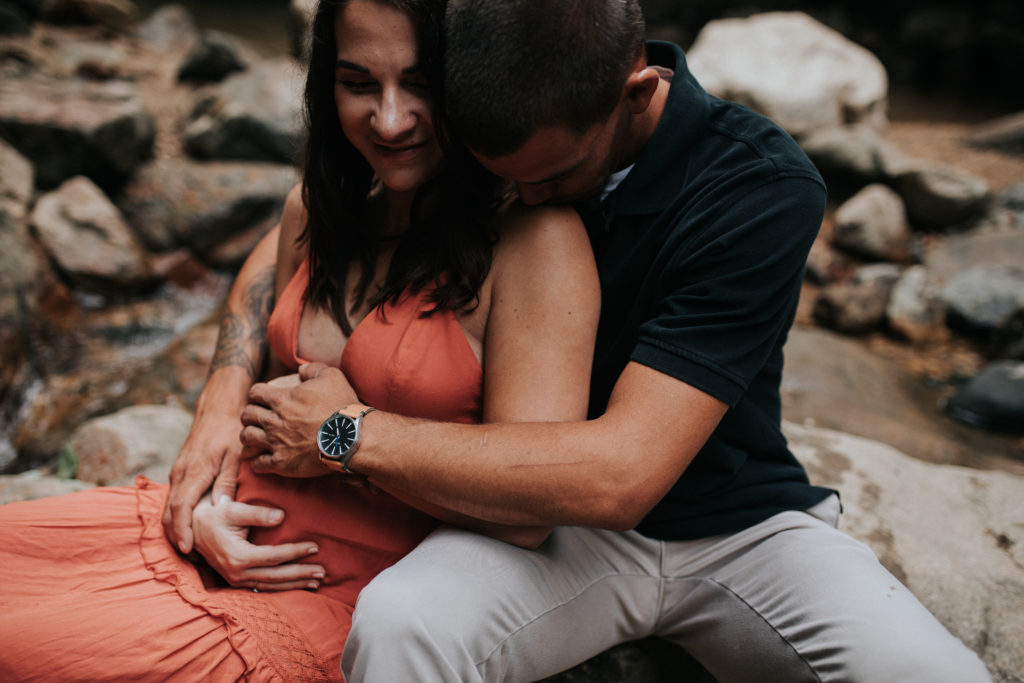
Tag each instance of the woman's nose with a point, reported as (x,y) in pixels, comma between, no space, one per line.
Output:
(395,118)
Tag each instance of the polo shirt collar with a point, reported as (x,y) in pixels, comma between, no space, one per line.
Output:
(658,172)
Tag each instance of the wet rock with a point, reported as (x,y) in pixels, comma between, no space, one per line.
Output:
(858,305)
(968,570)
(116,14)
(1005,133)
(873,224)
(75,127)
(992,399)
(214,56)
(87,237)
(915,308)
(113,449)
(173,203)
(940,197)
(795,70)
(254,115)
(988,303)
(170,28)
(35,484)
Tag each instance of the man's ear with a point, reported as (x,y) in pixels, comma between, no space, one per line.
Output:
(640,86)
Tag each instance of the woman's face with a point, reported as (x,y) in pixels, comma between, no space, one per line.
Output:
(384,102)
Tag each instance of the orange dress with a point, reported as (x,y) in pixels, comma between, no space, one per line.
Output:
(90,588)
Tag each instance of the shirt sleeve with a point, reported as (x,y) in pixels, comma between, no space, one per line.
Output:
(729,292)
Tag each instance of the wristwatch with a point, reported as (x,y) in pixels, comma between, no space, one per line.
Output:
(338,437)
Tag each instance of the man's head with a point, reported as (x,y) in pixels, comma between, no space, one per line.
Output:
(540,90)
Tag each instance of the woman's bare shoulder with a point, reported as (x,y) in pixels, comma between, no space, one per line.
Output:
(523,230)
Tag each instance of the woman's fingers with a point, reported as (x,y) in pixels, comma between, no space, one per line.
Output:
(243,514)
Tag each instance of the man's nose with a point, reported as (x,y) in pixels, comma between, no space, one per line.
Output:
(395,118)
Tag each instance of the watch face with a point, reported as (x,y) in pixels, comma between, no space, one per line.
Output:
(337,434)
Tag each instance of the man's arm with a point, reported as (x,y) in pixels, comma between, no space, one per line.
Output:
(607,472)
(212,448)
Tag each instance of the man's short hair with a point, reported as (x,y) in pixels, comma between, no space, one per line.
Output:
(512,67)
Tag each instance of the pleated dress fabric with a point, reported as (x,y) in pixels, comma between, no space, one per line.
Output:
(90,588)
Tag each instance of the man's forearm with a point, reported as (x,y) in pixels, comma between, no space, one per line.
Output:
(608,472)
(562,477)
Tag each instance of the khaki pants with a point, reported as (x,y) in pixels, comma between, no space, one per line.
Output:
(790,599)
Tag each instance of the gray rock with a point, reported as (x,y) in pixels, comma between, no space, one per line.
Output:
(793,69)
(940,197)
(992,399)
(170,28)
(253,115)
(173,203)
(117,14)
(68,128)
(858,305)
(915,308)
(953,254)
(850,155)
(873,223)
(113,449)
(968,569)
(1005,133)
(987,302)
(214,56)
(88,238)
(35,484)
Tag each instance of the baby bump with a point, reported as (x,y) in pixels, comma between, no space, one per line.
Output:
(359,531)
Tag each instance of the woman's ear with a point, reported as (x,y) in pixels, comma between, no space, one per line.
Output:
(640,87)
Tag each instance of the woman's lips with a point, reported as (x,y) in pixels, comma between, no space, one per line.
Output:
(398,152)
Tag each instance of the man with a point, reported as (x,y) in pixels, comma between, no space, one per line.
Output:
(680,511)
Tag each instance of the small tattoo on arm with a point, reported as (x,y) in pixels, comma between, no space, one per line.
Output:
(242,340)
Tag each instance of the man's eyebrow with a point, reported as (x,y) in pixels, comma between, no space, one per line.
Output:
(352,66)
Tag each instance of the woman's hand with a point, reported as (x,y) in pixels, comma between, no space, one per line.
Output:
(221,537)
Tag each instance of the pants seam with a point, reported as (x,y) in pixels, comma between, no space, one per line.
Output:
(552,608)
(768,623)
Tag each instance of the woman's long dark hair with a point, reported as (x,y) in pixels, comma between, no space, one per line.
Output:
(448,245)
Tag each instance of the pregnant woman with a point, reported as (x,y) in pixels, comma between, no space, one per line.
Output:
(399,262)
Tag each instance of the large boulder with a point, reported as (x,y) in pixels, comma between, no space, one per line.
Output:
(253,115)
(968,569)
(88,238)
(793,69)
(177,202)
(113,449)
(75,127)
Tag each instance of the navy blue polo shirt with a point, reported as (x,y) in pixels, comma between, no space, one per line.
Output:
(701,261)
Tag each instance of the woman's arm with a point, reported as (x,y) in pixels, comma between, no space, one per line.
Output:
(211,451)
(544,302)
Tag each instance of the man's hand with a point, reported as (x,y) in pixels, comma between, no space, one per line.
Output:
(211,453)
(221,533)
(281,421)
